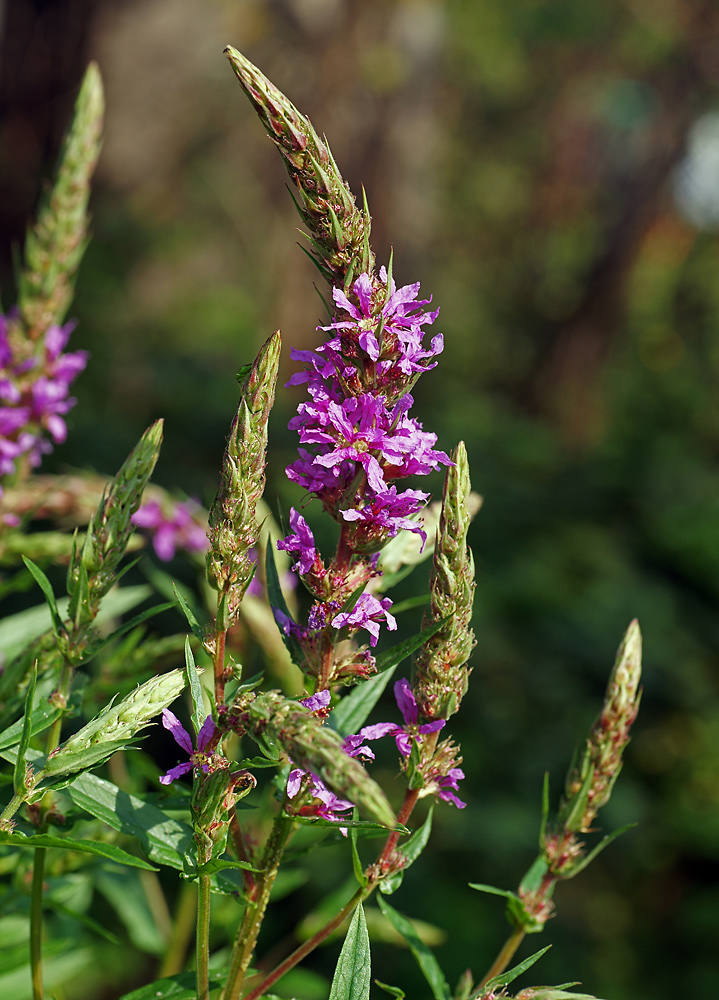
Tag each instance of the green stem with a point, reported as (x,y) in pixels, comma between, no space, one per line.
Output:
(9,811)
(38,876)
(250,927)
(62,694)
(202,942)
(504,957)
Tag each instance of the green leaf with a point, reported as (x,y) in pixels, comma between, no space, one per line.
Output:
(126,895)
(198,703)
(277,600)
(410,850)
(180,987)
(492,890)
(46,587)
(394,991)
(42,718)
(511,974)
(395,654)
(533,878)
(108,851)
(195,626)
(70,762)
(356,863)
(605,842)
(352,976)
(20,772)
(164,840)
(424,957)
(545,810)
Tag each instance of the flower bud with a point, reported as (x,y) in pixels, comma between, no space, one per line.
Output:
(591,778)
(94,566)
(339,230)
(233,527)
(55,245)
(315,748)
(440,667)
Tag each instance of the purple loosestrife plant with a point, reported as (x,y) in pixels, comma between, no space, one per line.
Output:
(358,445)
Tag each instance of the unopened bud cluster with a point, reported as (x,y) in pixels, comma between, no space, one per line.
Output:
(313,747)
(233,527)
(440,668)
(340,232)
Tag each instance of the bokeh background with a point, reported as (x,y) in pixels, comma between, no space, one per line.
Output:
(549,170)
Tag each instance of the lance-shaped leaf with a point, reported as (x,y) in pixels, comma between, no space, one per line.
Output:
(424,957)
(353,972)
(314,747)
(108,851)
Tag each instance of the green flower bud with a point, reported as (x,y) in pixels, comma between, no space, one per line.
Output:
(213,798)
(94,566)
(594,771)
(314,747)
(120,722)
(55,245)
(440,667)
(339,230)
(233,527)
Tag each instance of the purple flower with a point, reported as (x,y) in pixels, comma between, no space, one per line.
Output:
(407,705)
(300,541)
(355,745)
(327,805)
(198,758)
(365,614)
(319,702)
(448,781)
(172,527)
(390,510)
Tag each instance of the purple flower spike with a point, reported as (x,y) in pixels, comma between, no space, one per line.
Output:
(408,707)
(365,614)
(198,758)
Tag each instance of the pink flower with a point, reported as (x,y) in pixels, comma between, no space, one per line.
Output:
(365,614)
(198,758)
(172,527)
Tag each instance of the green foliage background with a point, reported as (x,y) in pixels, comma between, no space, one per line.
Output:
(520,158)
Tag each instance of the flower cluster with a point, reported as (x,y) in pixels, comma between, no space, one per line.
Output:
(34,393)
(442,779)
(356,435)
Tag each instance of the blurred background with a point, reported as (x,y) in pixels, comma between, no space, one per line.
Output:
(549,171)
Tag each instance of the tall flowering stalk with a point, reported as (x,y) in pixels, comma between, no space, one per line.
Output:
(35,371)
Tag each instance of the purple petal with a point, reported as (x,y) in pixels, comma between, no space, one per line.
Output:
(406,701)
(432,727)
(317,701)
(175,772)
(206,733)
(174,726)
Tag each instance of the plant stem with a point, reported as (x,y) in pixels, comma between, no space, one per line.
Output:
(38,876)
(219,665)
(202,941)
(9,811)
(250,927)
(504,957)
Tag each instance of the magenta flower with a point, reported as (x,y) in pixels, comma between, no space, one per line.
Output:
(408,707)
(199,758)
(326,804)
(366,614)
(447,782)
(172,527)
(301,541)
(355,745)
(319,702)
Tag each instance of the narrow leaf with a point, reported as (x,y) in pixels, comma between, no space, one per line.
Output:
(20,772)
(46,587)
(395,654)
(410,850)
(352,976)
(511,974)
(198,704)
(424,957)
(83,846)
(492,890)
(605,842)
(195,626)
